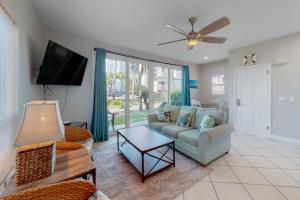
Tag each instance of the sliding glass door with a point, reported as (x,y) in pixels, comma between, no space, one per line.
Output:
(136,88)
(115,87)
(139,94)
(175,87)
(160,85)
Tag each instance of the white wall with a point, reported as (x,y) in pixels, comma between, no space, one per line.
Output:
(29,57)
(285,80)
(206,72)
(80,99)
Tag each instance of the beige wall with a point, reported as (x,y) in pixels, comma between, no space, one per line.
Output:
(194,75)
(29,58)
(285,80)
(80,99)
(207,71)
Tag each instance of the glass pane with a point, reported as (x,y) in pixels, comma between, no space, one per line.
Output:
(160,86)
(139,94)
(175,86)
(221,79)
(115,86)
(215,80)
(218,89)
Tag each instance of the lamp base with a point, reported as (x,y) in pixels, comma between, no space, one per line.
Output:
(34,162)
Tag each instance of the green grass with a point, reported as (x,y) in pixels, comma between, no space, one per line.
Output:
(134,116)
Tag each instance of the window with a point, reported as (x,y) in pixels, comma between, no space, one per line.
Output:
(115,87)
(218,87)
(175,83)
(8,73)
(160,86)
(136,88)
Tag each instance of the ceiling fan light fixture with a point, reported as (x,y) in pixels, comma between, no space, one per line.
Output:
(193,41)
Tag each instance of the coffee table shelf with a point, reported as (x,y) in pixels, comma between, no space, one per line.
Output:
(146,150)
(134,157)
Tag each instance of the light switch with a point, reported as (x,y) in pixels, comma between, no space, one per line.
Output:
(281,99)
(291,99)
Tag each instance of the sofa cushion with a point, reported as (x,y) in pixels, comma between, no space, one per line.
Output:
(219,117)
(174,113)
(207,122)
(191,136)
(159,125)
(163,113)
(184,119)
(189,109)
(173,130)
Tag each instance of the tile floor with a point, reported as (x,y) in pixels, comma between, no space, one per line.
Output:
(255,168)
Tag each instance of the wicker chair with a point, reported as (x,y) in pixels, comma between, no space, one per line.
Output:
(79,135)
(63,147)
(74,189)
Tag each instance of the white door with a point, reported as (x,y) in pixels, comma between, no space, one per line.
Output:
(253,99)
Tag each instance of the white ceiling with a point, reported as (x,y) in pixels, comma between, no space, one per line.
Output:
(139,24)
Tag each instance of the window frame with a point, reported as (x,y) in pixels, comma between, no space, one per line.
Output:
(218,84)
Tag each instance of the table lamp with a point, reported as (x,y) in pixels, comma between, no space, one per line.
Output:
(40,128)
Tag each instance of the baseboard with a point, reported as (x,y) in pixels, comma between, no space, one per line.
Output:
(285,139)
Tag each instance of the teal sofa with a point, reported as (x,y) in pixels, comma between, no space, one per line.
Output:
(203,146)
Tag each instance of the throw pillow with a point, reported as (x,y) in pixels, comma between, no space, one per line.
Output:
(163,113)
(184,119)
(207,122)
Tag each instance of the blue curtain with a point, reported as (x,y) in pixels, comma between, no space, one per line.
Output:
(100,119)
(185,87)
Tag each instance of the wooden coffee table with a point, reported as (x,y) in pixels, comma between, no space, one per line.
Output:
(68,166)
(143,149)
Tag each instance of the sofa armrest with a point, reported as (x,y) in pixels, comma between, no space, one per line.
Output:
(152,118)
(215,132)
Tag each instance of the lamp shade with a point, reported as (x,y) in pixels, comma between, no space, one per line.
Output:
(41,122)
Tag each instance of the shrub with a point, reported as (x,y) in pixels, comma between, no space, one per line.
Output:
(116,102)
(176,98)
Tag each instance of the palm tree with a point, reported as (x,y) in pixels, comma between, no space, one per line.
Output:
(121,77)
(134,69)
(109,81)
(142,69)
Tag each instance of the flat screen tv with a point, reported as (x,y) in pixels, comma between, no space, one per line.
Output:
(61,66)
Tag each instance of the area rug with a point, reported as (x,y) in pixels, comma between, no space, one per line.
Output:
(120,181)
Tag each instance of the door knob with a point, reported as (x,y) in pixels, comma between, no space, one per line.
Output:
(238,102)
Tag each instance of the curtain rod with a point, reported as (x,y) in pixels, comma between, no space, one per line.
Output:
(139,58)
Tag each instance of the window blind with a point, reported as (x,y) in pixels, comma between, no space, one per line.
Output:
(8,70)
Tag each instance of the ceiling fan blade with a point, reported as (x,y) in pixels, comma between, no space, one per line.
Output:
(216,25)
(219,40)
(174,28)
(171,42)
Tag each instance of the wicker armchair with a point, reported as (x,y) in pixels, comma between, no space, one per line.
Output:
(63,147)
(79,135)
(74,189)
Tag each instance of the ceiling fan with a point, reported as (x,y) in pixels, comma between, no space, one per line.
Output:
(193,37)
